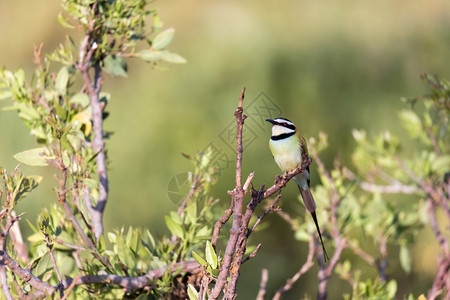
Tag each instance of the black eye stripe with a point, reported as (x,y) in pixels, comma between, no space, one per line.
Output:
(290,126)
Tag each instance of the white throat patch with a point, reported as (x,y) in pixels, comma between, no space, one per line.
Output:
(278,130)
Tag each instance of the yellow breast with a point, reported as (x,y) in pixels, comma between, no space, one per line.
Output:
(286,152)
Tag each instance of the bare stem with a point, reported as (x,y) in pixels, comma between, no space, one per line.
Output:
(93,88)
(304,268)
(263,284)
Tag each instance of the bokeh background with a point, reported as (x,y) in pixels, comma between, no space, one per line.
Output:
(330,66)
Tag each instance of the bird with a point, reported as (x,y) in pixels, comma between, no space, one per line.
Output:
(286,147)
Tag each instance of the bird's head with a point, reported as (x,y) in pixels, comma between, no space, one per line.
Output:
(281,126)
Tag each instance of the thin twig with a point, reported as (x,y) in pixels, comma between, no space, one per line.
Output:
(304,268)
(271,208)
(71,286)
(55,266)
(383,259)
(361,253)
(253,254)
(263,284)
(18,287)
(325,271)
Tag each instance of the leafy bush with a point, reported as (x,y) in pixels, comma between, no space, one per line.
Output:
(69,255)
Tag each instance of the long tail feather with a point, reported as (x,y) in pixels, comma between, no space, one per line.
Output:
(311,207)
(325,254)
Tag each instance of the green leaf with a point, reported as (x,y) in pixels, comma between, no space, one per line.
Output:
(27,184)
(44,264)
(411,122)
(199,259)
(81,99)
(5,94)
(33,157)
(112,237)
(405,259)
(172,57)
(210,254)
(62,79)
(155,55)
(163,39)
(174,228)
(192,292)
(64,22)
(302,235)
(391,289)
(151,238)
(441,164)
(149,55)
(125,254)
(35,237)
(157,23)
(115,65)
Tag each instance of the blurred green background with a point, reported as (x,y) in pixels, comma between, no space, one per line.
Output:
(329,65)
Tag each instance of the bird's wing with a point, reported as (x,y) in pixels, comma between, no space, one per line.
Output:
(304,147)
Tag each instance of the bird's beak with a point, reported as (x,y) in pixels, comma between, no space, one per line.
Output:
(271,121)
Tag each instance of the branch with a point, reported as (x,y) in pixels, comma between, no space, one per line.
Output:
(19,245)
(4,234)
(361,253)
(263,284)
(325,272)
(305,267)
(237,196)
(441,281)
(55,267)
(93,88)
(131,284)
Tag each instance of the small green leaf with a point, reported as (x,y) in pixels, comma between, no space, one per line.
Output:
(44,264)
(81,99)
(157,23)
(405,259)
(91,183)
(149,55)
(302,235)
(391,289)
(199,259)
(174,228)
(163,39)
(192,292)
(441,164)
(112,237)
(5,94)
(33,157)
(64,22)
(172,57)
(27,184)
(151,238)
(115,65)
(411,122)
(62,79)
(35,237)
(210,254)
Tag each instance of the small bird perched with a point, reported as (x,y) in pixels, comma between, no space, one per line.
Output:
(286,147)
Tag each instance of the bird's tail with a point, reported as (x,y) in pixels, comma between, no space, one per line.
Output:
(311,206)
(308,199)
